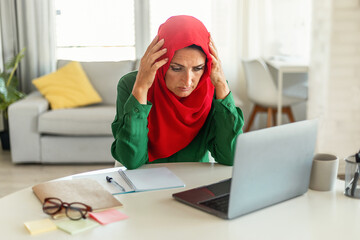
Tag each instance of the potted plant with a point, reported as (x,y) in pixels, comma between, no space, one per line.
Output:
(9,94)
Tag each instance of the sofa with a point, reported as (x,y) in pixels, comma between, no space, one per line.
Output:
(74,135)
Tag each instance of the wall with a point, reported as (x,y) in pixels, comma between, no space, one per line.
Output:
(334,78)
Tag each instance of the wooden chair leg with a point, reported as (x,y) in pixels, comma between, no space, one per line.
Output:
(252,117)
(274,116)
(289,113)
(269,117)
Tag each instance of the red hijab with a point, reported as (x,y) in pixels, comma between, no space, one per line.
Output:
(174,122)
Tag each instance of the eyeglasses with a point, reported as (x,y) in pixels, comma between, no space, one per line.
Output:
(74,211)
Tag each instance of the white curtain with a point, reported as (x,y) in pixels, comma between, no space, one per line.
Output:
(29,24)
(8,30)
(1,51)
(276,27)
(257,28)
(239,31)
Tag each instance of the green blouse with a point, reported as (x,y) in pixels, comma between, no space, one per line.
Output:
(218,135)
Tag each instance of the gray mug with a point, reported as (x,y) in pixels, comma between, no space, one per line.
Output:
(324,172)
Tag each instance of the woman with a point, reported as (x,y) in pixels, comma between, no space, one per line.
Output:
(178,106)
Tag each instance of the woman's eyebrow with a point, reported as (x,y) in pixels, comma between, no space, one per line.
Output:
(177,64)
(200,65)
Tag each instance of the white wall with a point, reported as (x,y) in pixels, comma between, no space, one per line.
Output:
(334,84)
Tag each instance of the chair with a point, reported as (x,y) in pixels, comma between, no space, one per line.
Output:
(263,93)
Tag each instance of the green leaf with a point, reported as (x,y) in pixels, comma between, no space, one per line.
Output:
(10,64)
(14,82)
(9,83)
(3,90)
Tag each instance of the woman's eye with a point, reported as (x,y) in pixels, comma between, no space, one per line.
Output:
(198,69)
(176,69)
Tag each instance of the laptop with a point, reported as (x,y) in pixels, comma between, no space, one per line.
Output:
(270,166)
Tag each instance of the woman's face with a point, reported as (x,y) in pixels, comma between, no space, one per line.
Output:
(185,71)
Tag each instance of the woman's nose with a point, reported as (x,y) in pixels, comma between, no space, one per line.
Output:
(188,79)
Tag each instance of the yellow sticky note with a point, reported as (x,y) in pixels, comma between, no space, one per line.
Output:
(73,227)
(40,226)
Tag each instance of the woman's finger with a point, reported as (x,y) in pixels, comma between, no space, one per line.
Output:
(157,46)
(213,50)
(159,64)
(213,46)
(213,58)
(152,53)
(157,54)
(153,42)
(215,61)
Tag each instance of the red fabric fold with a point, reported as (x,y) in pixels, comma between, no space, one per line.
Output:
(174,122)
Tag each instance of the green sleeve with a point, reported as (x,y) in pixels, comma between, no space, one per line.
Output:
(130,126)
(226,125)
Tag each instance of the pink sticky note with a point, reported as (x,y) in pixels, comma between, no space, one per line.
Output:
(108,216)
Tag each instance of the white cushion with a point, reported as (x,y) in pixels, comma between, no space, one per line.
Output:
(70,149)
(104,76)
(84,121)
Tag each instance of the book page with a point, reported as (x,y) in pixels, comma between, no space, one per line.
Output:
(112,188)
(153,179)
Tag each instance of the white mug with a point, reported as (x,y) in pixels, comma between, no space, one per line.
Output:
(324,172)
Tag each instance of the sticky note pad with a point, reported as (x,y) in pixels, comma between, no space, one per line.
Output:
(108,216)
(73,227)
(40,226)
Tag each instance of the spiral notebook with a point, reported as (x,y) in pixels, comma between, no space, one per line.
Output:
(138,180)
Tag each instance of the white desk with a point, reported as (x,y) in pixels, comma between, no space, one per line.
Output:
(156,215)
(285,67)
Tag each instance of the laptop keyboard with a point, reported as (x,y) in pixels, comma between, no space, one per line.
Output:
(221,203)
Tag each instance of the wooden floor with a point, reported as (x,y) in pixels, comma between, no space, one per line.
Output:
(16,177)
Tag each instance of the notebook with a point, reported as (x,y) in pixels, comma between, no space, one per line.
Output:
(85,190)
(270,166)
(137,180)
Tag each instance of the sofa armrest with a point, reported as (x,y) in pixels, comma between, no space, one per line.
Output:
(23,127)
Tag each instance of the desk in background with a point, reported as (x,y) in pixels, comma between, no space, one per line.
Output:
(156,215)
(284,67)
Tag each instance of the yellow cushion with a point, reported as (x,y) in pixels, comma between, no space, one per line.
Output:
(68,87)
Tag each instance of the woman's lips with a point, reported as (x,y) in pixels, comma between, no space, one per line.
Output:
(184,89)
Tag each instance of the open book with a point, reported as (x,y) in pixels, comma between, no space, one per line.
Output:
(137,180)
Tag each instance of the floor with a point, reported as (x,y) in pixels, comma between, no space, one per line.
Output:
(16,177)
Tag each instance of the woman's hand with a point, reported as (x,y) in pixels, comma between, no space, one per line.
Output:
(148,68)
(217,75)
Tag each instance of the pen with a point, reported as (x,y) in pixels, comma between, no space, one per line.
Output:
(111,180)
(356,175)
(354,184)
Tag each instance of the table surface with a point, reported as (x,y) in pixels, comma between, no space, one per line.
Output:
(297,66)
(156,215)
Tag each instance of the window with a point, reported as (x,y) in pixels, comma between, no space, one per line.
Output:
(291,28)
(93,30)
